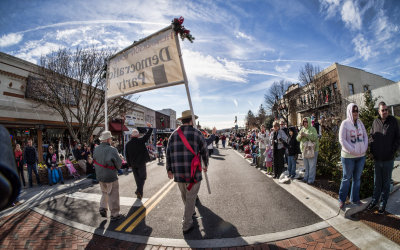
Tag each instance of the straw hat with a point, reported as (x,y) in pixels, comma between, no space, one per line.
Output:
(105,135)
(187,114)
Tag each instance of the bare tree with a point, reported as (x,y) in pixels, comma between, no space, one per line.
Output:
(274,99)
(307,73)
(73,84)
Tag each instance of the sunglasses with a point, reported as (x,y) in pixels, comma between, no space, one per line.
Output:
(355,111)
(384,110)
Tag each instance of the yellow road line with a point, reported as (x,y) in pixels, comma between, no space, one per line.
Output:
(141,217)
(145,205)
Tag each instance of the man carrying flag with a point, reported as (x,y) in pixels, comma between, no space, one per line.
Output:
(185,147)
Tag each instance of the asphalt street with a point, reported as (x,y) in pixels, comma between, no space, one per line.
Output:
(243,202)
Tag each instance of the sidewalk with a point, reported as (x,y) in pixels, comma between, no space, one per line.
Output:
(30,197)
(21,227)
(31,230)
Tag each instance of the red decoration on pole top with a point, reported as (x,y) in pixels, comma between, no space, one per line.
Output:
(181,30)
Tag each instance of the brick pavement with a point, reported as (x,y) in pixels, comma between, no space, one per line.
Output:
(31,230)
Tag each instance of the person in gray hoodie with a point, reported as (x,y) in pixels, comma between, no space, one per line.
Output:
(107,162)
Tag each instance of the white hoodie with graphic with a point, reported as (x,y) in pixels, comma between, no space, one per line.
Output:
(354,139)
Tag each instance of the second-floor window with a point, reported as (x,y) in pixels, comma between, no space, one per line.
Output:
(351,89)
(366,88)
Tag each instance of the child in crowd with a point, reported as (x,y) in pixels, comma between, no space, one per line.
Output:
(124,164)
(247,152)
(71,169)
(255,155)
(293,149)
(90,171)
(269,158)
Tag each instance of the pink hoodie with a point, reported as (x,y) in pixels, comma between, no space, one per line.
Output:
(354,140)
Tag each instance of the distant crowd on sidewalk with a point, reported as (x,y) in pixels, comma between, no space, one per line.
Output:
(271,149)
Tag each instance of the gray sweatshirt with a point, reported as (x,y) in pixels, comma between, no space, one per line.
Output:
(106,155)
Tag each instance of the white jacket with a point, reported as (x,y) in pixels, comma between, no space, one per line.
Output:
(354,140)
(263,139)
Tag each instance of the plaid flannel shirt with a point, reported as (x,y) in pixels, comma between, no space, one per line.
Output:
(179,158)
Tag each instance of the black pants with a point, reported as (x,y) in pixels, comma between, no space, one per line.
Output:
(20,168)
(140,175)
(278,162)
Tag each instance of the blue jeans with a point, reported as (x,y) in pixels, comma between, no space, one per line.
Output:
(50,175)
(34,168)
(382,177)
(352,170)
(310,166)
(254,155)
(223,144)
(291,166)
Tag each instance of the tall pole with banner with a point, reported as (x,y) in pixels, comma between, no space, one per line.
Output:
(151,63)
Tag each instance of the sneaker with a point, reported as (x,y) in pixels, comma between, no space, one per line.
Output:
(371,206)
(381,209)
(252,164)
(358,203)
(103,212)
(117,217)
(341,204)
(62,182)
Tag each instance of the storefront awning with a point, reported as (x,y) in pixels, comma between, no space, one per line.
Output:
(116,127)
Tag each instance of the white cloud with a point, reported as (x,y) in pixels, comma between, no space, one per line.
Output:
(33,50)
(235,102)
(330,7)
(362,47)
(10,39)
(283,69)
(351,15)
(199,65)
(239,34)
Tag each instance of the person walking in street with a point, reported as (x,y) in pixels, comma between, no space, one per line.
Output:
(385,141)
(107,162)
(278,137)
(309,146)
(51,163)
(185,146)
(137,156)
(159,146)
(354,141)
(216,140)
(19,163)
(223,140)
(31,159)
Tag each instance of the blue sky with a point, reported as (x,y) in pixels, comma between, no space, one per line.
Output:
(241,46)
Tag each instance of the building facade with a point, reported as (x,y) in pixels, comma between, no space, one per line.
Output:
(330,92)
(24,118)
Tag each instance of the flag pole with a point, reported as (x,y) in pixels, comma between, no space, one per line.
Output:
(190,100)
(105,100)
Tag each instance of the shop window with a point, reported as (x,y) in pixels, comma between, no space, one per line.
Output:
(351,89)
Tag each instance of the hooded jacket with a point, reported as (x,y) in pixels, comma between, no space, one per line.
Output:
(311,135)
(354,139)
